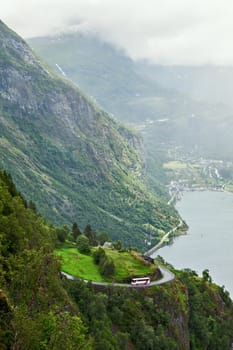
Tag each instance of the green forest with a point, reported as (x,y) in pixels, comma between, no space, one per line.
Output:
(68,162)
(70,157)
(41,309)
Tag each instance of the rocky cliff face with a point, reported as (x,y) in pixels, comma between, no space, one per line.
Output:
(68,155)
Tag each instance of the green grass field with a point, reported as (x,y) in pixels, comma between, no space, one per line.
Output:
(128,265)
(175,165)
(78,265)
(83,266)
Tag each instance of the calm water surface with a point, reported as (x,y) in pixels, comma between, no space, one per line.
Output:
(209,242)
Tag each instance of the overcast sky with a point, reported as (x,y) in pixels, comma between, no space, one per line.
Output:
(163,31)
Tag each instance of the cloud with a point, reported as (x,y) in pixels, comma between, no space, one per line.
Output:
(167,31)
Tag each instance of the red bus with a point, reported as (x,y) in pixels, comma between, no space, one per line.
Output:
(140,281)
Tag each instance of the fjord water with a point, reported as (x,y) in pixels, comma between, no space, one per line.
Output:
(209,240)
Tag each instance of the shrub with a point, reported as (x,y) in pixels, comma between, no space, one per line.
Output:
(83,244)
(106,265)
(99,255)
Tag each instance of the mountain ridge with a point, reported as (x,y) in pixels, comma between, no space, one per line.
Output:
(146,94)
(68,155)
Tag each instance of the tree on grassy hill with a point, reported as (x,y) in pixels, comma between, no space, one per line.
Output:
(99,255)
(107,268)
(106,265)
(83,244)
(91,235)
(75,231)
(117,245)
(102,237)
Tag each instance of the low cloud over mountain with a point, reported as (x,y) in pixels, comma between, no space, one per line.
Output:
(167,32)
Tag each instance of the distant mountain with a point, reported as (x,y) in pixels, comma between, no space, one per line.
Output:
(208,83)
(91,64)
(68,155)
(179,107)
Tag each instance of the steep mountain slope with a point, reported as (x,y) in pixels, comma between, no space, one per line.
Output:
(67,155)
(39,309)
(148,94)
(35,311)
(92,63)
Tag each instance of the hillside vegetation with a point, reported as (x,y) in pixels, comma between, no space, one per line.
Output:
(36,312)
(41,310)
(188,108)
(127,264)
(68,155)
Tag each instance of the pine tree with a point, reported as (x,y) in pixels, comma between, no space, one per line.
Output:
(91,235)
(75,231)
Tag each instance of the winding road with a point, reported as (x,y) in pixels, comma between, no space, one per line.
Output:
(167,276)
(163,239)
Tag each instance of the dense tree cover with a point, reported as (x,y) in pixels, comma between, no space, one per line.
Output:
(41,310)
(102,237)
(62,233)
(190,313)
(207,304)
(69,156)
(35,311)
(94,238)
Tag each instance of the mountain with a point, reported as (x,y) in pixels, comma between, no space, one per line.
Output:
(68,155)
(176,107)
(40,309)
(208,83)
(90,63)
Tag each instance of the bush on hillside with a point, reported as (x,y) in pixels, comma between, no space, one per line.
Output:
(83,244)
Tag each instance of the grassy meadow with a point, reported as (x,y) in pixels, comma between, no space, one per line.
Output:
(127,263)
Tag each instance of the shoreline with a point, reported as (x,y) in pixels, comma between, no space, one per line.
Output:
(162,242)
(200,248)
